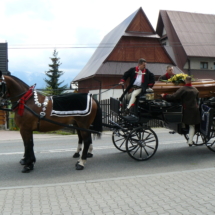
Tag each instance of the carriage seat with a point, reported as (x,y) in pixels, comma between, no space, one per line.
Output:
(210,102)
(130,118)
(159,104)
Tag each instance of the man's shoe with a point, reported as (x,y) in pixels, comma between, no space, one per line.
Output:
(190,144)
(127,111)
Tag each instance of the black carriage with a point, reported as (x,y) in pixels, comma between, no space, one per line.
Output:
(132,134)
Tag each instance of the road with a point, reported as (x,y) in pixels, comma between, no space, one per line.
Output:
(56,165)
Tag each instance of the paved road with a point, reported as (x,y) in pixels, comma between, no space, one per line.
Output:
(177,180)
(56,165)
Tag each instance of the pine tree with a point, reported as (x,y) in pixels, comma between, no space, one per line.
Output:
(54,74)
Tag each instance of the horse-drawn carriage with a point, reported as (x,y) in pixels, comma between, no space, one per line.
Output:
(132,134)
(34,112)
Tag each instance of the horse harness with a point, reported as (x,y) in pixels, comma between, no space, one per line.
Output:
(25,97)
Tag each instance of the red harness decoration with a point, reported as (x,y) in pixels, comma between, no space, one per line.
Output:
(23,99)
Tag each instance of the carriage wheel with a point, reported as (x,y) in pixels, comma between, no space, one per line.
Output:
(119,139)
(198,138)
(141,143)
(211,143)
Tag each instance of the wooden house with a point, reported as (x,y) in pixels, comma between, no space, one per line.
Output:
(189,38)
(120,50)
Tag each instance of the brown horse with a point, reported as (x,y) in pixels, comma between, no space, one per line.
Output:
(32,113)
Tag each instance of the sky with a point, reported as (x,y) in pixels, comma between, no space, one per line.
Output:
(33,29)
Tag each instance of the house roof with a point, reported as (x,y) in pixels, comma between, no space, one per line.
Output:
(100,54)
(118,68)
(195,31)
(128,28)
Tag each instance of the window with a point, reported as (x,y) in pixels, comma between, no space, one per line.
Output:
(203,65)
(214,66)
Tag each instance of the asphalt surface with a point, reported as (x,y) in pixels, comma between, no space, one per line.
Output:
(177,180)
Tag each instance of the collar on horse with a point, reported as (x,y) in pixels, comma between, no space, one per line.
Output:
(21,102)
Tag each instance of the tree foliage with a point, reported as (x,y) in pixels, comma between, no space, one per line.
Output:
(52,81)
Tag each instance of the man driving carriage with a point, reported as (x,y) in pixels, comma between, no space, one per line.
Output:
(189,99)
(140,79)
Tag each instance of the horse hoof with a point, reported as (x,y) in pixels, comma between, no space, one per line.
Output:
(27,169)
(22,161)
(76,155)
(89,155)
(79,167)
(77,163)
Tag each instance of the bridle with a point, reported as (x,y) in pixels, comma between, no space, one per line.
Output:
(3,87)
(4,99)
(3,91)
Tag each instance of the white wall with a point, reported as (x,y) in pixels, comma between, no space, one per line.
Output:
(115,93)
(195,63)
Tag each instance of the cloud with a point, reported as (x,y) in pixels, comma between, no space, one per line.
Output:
(35,28)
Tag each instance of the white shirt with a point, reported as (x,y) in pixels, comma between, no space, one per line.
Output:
(138,80)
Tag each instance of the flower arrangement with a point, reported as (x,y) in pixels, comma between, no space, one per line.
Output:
(178,78)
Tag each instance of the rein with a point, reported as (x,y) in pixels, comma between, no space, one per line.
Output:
(108,89)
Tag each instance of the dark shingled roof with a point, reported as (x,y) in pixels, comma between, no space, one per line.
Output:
(102,53)
(195,31)
(118,68)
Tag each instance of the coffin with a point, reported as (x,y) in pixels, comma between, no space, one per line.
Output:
(206,88)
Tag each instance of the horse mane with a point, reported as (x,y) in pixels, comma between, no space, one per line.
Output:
(17,79)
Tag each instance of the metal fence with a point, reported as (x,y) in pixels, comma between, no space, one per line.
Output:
(107,114)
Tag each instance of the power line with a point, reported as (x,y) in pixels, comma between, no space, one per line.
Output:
(107,45)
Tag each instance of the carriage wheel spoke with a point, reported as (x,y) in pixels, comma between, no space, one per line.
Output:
(141,144)
(122,143)
(150,147)
(141,152)
(132,147)
(150,141)
(146,151)
(136,150)
(119,139)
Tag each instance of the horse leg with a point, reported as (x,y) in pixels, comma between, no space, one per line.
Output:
(90,154)
(77,153)
(79,148)
(87,142)
(29,158)
(23,160)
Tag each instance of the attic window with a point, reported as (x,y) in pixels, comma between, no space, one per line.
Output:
(203,65)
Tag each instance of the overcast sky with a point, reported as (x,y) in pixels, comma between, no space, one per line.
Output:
(33,29)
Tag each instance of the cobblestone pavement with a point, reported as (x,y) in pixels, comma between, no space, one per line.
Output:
(185,192)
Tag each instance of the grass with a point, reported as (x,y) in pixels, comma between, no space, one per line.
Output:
(60,132)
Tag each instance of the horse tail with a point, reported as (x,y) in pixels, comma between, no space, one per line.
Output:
(97,123)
